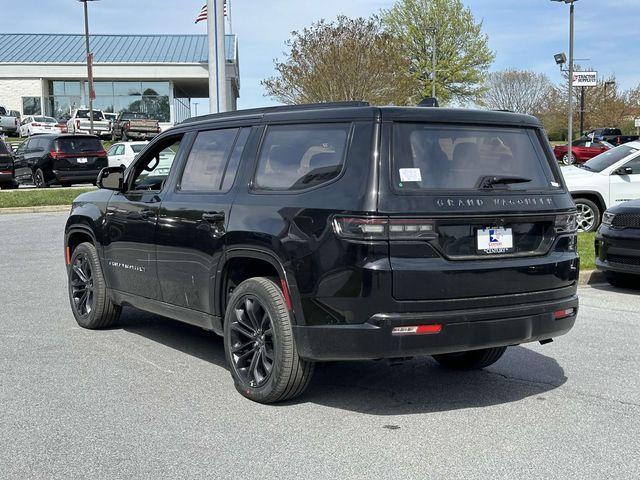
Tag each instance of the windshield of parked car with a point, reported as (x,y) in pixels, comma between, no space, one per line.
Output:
(608,158)
(97,114)
(138,147)
(133,116)
(442,157)
(45,120)
(78,144)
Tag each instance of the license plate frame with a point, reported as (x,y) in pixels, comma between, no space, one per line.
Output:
(494,240)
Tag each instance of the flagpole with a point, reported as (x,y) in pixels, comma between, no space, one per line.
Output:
(216,62)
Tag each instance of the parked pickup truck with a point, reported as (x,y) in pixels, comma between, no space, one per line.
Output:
(9,123)
(611,135)
(80,123)
(133,125)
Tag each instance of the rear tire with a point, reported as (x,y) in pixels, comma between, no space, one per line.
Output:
(38,179)
(259,344)
(90,302)
(622,280)
(589,215)
(472,360)
(568,160)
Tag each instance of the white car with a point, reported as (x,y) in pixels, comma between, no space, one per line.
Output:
(606,180)
(35,124)
(124,153)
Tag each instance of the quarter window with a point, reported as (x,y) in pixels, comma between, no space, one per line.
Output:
(297,157)
(205,167)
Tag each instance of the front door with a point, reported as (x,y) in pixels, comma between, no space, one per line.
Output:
(131,219)
(193,219)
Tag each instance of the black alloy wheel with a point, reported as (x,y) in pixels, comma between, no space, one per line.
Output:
(38,179)
(252,342)
(82,285)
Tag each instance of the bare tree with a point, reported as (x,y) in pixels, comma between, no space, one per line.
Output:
(348,59)
(517,90)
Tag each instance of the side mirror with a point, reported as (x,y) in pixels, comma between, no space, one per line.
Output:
(623,171)
(111,178)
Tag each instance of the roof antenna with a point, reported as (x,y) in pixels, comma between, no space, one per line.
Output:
(429,102)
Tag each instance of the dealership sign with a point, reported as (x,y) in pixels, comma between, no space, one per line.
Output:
(585,79)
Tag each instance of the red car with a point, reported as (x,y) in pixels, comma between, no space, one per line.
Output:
(583,150)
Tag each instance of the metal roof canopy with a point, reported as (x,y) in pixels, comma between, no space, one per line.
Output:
(50,48)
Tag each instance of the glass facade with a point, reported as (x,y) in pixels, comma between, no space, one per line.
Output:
(151,98)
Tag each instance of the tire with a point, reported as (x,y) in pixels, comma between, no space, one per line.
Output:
(622,280)
(38,179)
(125,137)
(247,343)
(472,360)
(568,160)
(97,310)
(589,215)
(113,137)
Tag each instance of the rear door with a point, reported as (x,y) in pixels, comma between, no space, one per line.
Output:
(472,211)
(131,218)
(194,216)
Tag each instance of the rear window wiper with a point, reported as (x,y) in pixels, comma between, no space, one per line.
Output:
(490,181)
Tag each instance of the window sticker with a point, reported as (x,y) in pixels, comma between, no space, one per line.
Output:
(410,175)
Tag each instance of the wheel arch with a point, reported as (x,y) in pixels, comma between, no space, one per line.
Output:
(254,261)
(595,197)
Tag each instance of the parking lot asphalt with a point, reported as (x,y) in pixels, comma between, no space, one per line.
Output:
(151,398)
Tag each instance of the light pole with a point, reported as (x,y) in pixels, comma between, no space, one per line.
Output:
(570,120)
(434,61)
(89,63)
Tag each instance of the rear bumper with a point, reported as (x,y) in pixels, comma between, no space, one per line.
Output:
(84,176)
(461,330)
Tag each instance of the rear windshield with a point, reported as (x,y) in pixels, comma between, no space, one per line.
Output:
(45,120)
(97,115)
(443,157)
(134,116)
(2,111)
(137,148)
(78,144)
(4,150)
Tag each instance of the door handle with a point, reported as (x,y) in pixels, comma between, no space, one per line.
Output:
(146,213)
(213,217)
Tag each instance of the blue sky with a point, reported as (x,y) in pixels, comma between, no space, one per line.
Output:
(524,33)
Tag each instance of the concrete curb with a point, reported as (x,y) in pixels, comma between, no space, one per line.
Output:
(43,209)
(591,277)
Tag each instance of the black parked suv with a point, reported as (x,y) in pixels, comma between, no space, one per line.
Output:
(44,160)
(6,167)
(335,232)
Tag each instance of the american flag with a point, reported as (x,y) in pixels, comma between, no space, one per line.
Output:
(202,16)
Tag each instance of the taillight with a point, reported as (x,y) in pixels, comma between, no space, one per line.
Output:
(127,126)
(560,314)
(158,129)
(383,228)
(77,123)
(566,223)
(36,124)
(54,154)
(101,153)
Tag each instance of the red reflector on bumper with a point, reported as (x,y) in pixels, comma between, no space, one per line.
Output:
(564,313)
(418,330)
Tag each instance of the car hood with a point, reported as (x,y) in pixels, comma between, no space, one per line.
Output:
(576,173)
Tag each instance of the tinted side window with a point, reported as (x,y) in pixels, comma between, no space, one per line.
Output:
(234,161)
(634,165)
(296,157)
(207,160)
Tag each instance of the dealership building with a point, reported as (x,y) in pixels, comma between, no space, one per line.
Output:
(155,74)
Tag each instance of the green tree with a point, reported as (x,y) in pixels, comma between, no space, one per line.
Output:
(463,55)
(344,60)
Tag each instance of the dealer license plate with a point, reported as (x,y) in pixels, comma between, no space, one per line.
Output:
(495,240)
(82,160)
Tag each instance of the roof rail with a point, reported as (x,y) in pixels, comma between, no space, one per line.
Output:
(281,108)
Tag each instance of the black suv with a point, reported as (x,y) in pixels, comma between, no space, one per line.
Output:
(44,160)
(335,232)
(6,167)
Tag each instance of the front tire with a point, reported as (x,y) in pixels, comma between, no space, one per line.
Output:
(472,360)
(259,344)
(90,302)
(588,215)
